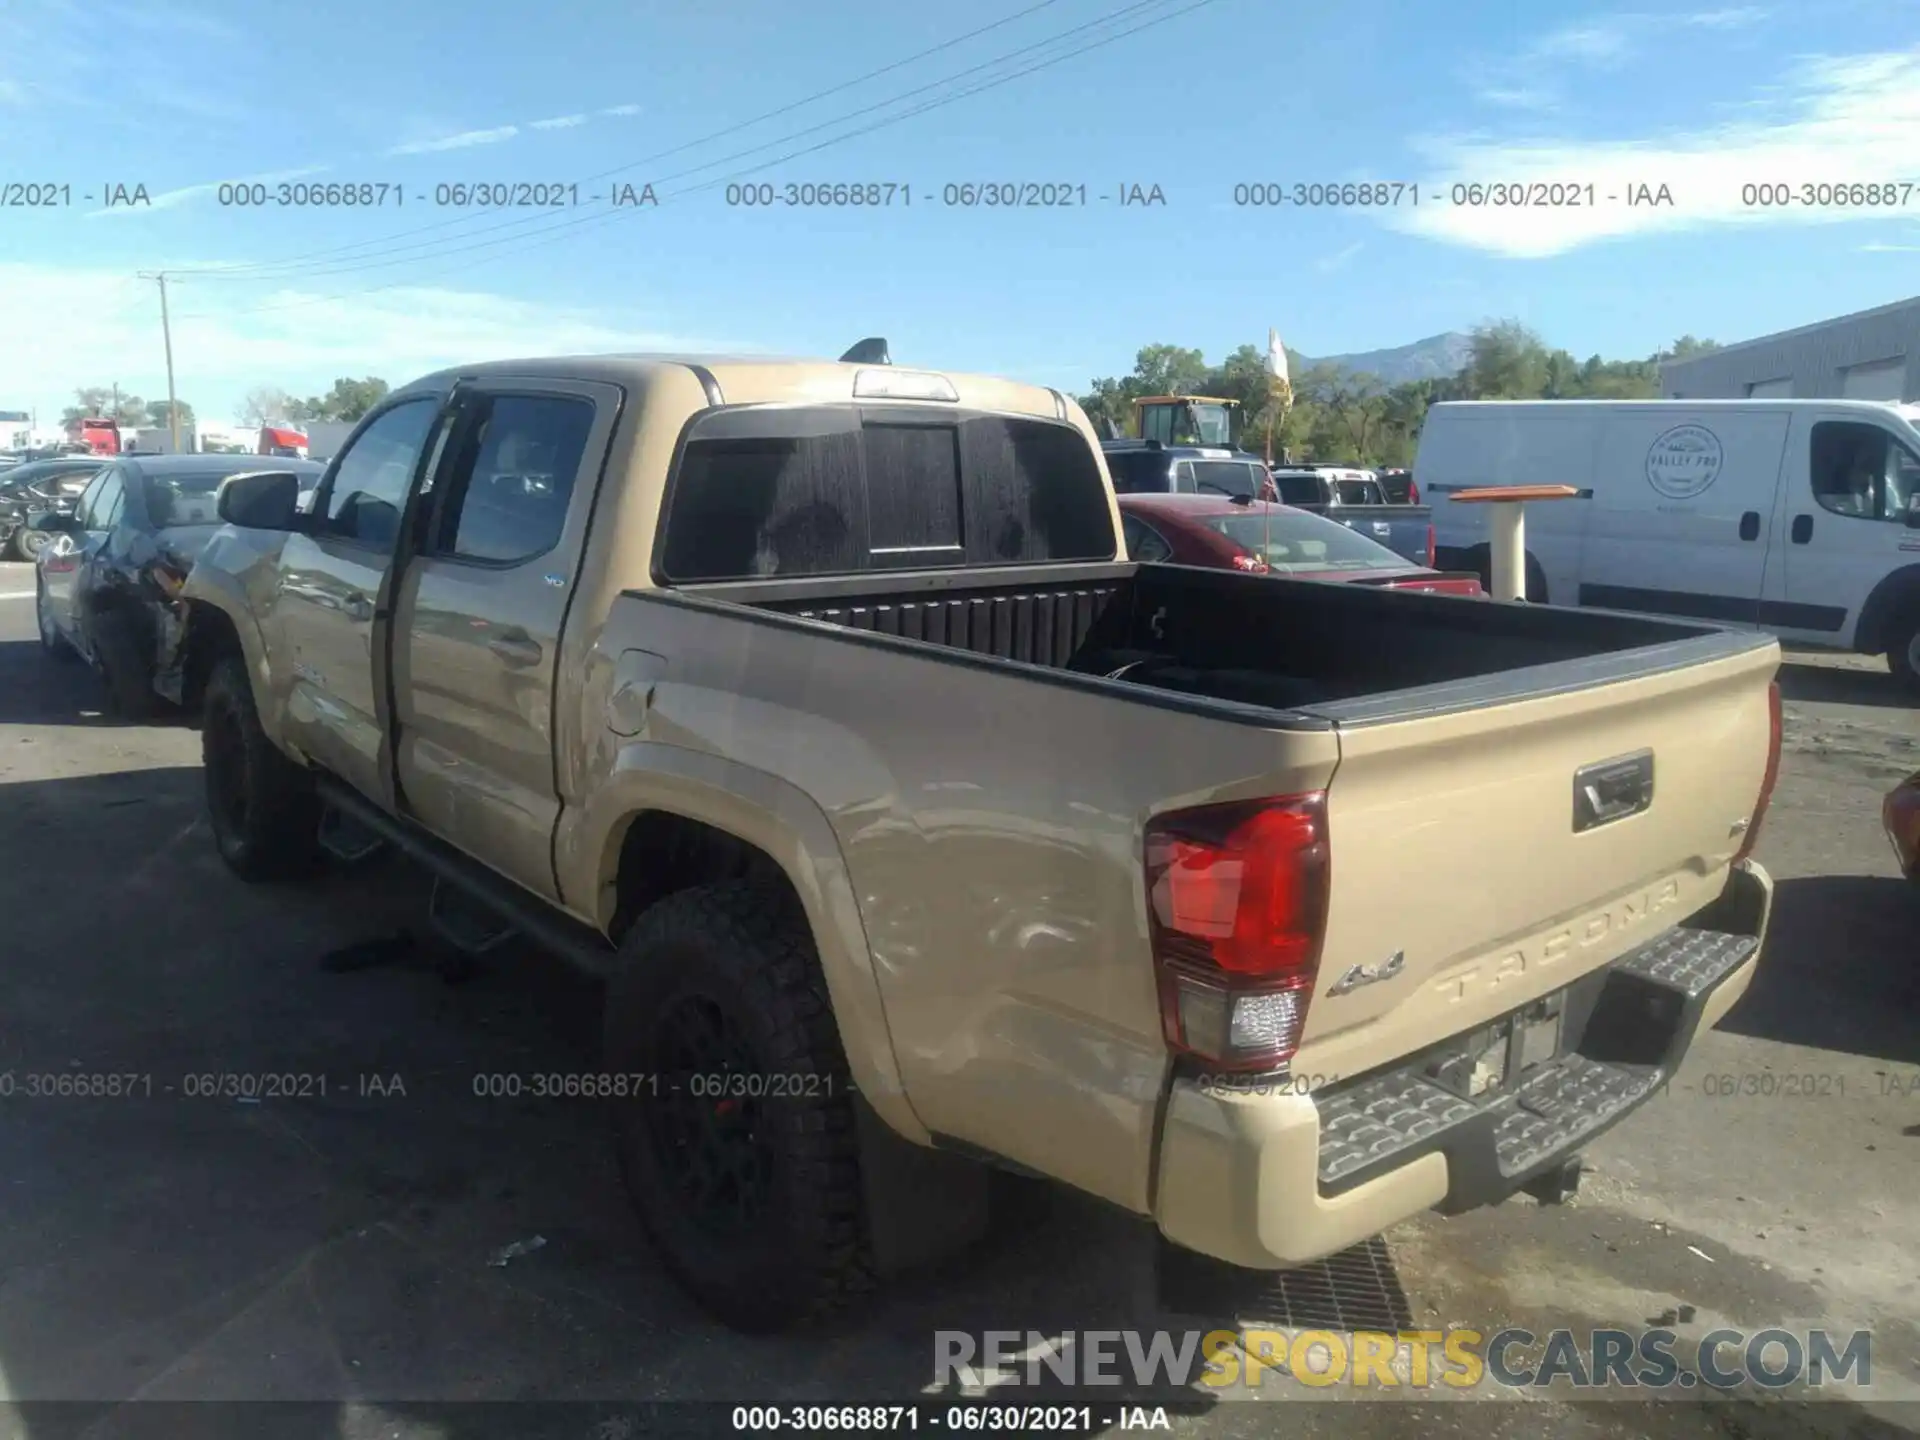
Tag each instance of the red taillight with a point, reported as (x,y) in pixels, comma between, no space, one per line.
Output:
(1249,562)
(1768,780)
(1236,910)
(1429,538)
(1413,497)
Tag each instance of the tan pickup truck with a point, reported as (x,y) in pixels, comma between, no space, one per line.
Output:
(916,830)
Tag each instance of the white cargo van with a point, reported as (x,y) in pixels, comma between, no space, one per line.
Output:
(1783,515)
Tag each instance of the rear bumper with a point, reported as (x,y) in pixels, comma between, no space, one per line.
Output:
(1275,1178)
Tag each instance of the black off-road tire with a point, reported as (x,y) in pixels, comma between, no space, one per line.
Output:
(28,544)
(1903,652)
(263,808)
(741,950)
(52,642)
(128,675)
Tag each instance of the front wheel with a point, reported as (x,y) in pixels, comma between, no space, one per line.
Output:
(263,807)
(738,1148)
(1903,653)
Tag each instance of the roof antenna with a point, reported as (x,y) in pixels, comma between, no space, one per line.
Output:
(871,351)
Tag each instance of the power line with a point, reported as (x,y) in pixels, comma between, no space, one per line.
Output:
(690,144)
(436,249)
(581,224)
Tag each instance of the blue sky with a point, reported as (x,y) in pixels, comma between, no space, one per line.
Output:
(181,95)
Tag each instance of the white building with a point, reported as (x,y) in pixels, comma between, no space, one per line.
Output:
(1874,355)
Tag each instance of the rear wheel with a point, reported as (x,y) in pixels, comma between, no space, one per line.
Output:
(739,1149)
(123,665)
(51,640)
(263,808)
(1903,652)
(28,544)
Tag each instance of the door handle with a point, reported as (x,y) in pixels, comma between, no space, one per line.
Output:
(357,606)
(1802,529)
(516,647)
(1750,525)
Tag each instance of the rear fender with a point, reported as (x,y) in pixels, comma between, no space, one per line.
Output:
(783,822)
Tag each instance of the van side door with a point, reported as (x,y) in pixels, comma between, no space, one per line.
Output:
(1845,523)
(1682,508)
(478,617)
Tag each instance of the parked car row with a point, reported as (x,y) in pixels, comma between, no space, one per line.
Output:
(110,563)
(1352,497)
(39,488)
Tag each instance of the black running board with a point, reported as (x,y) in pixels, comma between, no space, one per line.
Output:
(580,946)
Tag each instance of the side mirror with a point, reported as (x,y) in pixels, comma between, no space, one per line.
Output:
(1913,511)
(262,500)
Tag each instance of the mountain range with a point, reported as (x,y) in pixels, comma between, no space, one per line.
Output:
(1433,358)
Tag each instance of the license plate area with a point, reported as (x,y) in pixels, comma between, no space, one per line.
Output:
(1495,1057)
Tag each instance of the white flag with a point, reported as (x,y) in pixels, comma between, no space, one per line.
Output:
(1277,359)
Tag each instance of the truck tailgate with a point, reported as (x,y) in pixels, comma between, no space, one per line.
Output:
(1462,842)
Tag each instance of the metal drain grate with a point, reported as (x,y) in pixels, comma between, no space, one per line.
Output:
(1357,1289)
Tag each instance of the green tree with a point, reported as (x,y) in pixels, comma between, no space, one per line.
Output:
(267,405)
(98,400)
(350,399)
(1507,361)
(158,413)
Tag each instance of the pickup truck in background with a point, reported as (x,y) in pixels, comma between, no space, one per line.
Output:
(916,830)
(1146,467)
(1359,503)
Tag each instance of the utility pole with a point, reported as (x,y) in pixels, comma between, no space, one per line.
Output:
(166,335)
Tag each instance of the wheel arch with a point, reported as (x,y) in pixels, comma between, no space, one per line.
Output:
(667,818)
(218,622)
(1897,592)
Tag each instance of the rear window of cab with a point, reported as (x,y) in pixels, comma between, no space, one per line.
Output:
(766,492)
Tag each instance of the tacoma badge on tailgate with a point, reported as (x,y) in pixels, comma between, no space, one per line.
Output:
(1369,974)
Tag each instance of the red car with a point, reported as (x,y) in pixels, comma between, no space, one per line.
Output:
(1263,538)
(1900,814)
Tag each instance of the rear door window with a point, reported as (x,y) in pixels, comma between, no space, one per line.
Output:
(1298,489)
(1139,473)
(1225,477)
(833,490)
(512,482)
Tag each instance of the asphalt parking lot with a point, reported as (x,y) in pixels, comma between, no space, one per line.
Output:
(355,1249)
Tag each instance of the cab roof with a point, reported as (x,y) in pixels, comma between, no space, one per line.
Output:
(754,379)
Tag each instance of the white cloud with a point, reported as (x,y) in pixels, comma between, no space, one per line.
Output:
(1845,120)
(558,122)
(1518,97)
(1338,260)
(399,334)
(466,139)
(621,110)
(174,21)
(1526,80)
(1882,247)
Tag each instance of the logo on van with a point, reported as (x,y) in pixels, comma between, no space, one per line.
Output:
(1684,461)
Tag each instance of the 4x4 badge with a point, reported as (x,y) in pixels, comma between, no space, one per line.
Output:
(1369,974)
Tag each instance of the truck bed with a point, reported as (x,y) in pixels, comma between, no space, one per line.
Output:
(1316,651)
(987,746)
